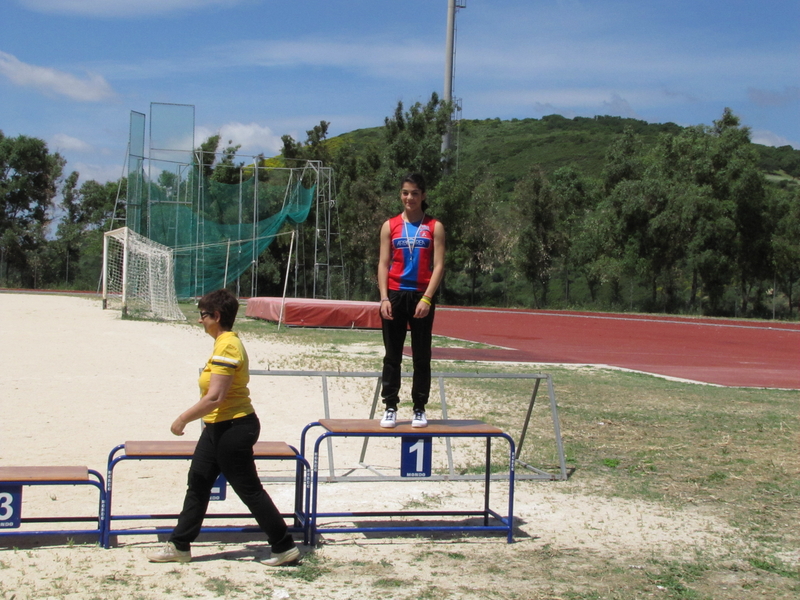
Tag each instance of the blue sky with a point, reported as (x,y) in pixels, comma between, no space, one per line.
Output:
(72,70)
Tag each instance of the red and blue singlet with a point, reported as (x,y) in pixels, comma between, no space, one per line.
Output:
(411,253)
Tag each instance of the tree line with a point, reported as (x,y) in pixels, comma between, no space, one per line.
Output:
(36,250)
(688,223)
(685,222)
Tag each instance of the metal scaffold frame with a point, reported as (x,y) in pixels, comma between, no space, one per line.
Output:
(535,473)
(327,238)
(171,153)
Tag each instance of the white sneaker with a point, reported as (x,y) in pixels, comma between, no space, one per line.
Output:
(419,420)
(389,420)
(169,553)
(283,558)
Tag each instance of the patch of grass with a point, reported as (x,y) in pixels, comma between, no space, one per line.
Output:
(775,566)
(117,579)
(221,586)
(716,476)
(674,578)
(480,469)
(388,582)
(432,593)
(311,568)
(425,501)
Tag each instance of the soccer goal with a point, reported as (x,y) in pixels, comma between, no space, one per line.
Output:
(138,276)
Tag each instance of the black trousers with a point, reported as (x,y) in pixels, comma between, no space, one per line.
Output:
(227,447)
(394,337)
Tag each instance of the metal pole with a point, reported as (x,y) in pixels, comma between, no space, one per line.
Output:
(105,272)
(227,258)
(286,281)
(449,56)
(125,254)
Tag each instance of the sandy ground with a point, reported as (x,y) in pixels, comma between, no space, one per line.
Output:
(78,380)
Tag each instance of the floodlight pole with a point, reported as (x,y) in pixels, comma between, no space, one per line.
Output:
(449,59)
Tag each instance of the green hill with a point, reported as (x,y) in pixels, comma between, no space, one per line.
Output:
(510,148)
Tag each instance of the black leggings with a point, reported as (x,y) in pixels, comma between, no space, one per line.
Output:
(227,447)
(394,337)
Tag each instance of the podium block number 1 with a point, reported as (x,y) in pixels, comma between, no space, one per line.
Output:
(415,458)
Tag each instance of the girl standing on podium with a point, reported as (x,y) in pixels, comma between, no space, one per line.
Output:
(410,269)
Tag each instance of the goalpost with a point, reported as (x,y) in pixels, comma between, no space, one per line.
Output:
(138,276)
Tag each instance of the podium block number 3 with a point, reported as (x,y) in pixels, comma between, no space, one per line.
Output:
(10,506)
(415,459)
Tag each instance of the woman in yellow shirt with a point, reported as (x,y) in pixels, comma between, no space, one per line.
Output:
(231,429)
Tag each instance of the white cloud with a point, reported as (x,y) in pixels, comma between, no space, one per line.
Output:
(619,100)
(548,109)
(379,58)
(596,57)
(99,173)
(92,88)
(119,8)
(619,107)
(254,138)
(61,142)
(767,138)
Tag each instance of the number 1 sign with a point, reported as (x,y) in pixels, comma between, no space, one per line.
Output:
(415,458)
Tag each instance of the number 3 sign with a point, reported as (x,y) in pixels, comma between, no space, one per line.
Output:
(10,506)
(415,458)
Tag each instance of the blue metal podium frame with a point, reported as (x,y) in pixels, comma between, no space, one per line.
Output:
(78,475)
(366,428)
(183,450)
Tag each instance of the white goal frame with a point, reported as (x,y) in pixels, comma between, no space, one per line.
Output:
(139,276)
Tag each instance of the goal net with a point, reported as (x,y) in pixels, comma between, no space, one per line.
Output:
(138,276)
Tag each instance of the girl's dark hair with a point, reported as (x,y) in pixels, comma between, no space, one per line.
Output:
(418,180)
(223,302)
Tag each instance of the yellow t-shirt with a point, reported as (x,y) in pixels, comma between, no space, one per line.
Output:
(229,358)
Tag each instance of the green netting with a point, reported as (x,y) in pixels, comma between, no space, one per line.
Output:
(217,217)
(218,230)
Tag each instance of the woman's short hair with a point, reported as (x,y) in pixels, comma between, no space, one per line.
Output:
(223,302)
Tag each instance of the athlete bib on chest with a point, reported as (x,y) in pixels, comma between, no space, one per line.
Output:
(412,253)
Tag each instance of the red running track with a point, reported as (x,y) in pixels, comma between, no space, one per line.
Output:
(724,352)
(720,351)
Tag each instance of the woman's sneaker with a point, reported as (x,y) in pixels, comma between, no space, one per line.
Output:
(389,420)
(283,558)
(169,553)
(419,420)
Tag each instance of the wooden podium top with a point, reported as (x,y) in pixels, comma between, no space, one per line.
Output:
(23,474)
(181,448)
(435,427)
